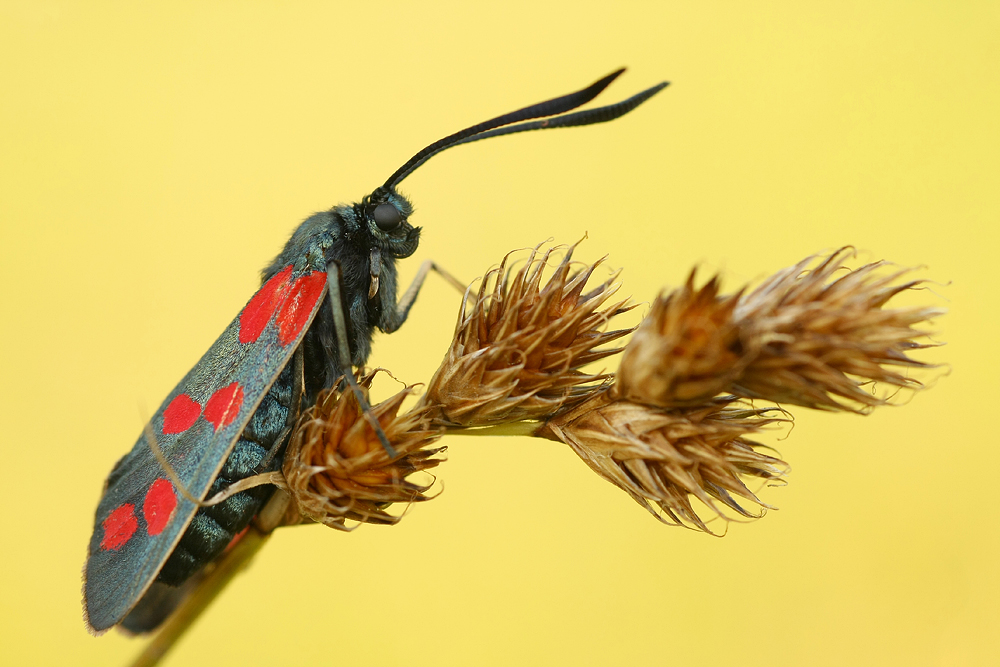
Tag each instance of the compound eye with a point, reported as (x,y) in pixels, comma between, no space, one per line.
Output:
(387,217)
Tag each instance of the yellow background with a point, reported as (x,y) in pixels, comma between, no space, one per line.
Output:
(153,159)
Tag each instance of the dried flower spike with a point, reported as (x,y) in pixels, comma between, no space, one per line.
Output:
(337,469)
(805,337)
(819,339)
(520,342)
(662,458)
(686,350)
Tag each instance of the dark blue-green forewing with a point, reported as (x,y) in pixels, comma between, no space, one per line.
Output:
(142,515)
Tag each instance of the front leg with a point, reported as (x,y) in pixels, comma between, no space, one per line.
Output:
(396,318)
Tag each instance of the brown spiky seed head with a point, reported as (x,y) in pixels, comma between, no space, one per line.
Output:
(337,469)
(662,458)
(807,336)
(520,341)
(821,334)
(686,350)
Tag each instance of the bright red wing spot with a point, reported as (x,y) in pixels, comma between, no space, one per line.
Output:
(181,414)
(261,308)
(296,310)
(119,527)
(224,406)
(159,505)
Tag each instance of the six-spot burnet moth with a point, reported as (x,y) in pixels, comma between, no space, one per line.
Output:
(321,300)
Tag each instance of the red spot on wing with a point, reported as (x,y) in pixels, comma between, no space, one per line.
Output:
(119,527)
(261,308)
(181,414)
(159,505)
(296,310)
(224,406)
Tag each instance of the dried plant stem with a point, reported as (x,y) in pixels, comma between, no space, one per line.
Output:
(226,567)
(529,428)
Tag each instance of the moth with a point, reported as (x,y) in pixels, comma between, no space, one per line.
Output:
(306,328)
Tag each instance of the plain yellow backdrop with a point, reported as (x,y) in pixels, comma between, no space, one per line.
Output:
(153,158)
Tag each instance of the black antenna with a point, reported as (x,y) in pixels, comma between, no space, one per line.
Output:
(587,117)
(553,107)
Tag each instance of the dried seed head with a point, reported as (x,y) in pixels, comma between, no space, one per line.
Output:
(337,469)
(686,350)
(804,337)
(520,342)
(819,339)
(663,457)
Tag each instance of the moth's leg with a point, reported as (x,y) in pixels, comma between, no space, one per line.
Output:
(298,385)
(344,353)
(154,447)
(402,311)
(273,513)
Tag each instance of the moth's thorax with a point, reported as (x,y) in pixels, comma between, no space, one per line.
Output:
(308,245)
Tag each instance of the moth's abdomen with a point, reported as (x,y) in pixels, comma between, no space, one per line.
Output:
(213,528)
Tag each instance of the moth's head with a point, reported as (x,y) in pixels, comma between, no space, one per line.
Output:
(386,213)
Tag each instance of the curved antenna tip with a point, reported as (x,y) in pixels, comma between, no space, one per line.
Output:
(554,109)
(606,80)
